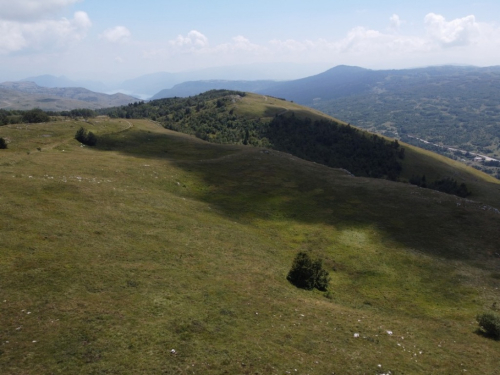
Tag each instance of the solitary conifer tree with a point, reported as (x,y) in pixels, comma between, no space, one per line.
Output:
(308,273)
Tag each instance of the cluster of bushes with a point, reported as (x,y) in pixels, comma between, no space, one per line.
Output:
(446,185)
(86,137)
(35,116)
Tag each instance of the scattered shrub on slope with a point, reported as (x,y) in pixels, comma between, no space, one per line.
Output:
(308,273)
(490,324)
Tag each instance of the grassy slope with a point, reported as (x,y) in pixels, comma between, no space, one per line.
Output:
(266,107)
(485,188)
(111,257)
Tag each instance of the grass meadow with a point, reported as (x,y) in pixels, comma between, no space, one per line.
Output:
(158,253)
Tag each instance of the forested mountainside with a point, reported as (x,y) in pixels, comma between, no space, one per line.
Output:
(447,107)
(214,116)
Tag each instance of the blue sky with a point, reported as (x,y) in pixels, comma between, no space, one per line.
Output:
(114,40)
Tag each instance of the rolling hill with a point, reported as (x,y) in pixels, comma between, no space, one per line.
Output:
(158,252)
(223,116)
(443,109)
(28,95)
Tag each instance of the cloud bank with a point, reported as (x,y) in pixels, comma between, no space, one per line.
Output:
(439,36)
(42,34)
(32,30)
(29,10)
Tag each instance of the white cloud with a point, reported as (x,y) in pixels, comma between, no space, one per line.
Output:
(395,45)
(441,35)
(118,34)
(241,44)
(23,10)
(289,45)
(439,42)
(395,22)
(42,34)
(459,32)
(193,39)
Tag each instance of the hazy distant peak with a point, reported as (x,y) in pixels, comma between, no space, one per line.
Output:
(344,69)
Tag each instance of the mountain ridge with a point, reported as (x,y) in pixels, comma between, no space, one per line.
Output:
(28,95)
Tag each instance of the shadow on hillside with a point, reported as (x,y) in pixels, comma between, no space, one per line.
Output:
(248,184)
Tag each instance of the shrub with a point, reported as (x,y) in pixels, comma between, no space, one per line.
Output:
(3,144)
(87,138)
(308,273)
(490,324)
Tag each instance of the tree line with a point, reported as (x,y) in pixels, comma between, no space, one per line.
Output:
(36,115)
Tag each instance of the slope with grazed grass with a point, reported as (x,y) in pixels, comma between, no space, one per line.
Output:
(155,241)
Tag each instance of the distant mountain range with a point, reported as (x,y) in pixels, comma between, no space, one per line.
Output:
(28,95)
(448,106)
(146,86)
(337,82)
(51,81)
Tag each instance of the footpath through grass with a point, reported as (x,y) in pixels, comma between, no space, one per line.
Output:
(113,256)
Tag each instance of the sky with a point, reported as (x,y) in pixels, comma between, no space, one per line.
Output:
(112,40)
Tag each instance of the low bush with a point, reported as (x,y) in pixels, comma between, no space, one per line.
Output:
(490,324)
(3,144)
(308,273)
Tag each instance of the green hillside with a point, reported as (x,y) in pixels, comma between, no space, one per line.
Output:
(230,117)
(155,241)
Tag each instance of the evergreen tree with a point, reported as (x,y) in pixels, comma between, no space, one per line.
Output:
(81,135)
(91,139)
(308,273)
(87,138)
